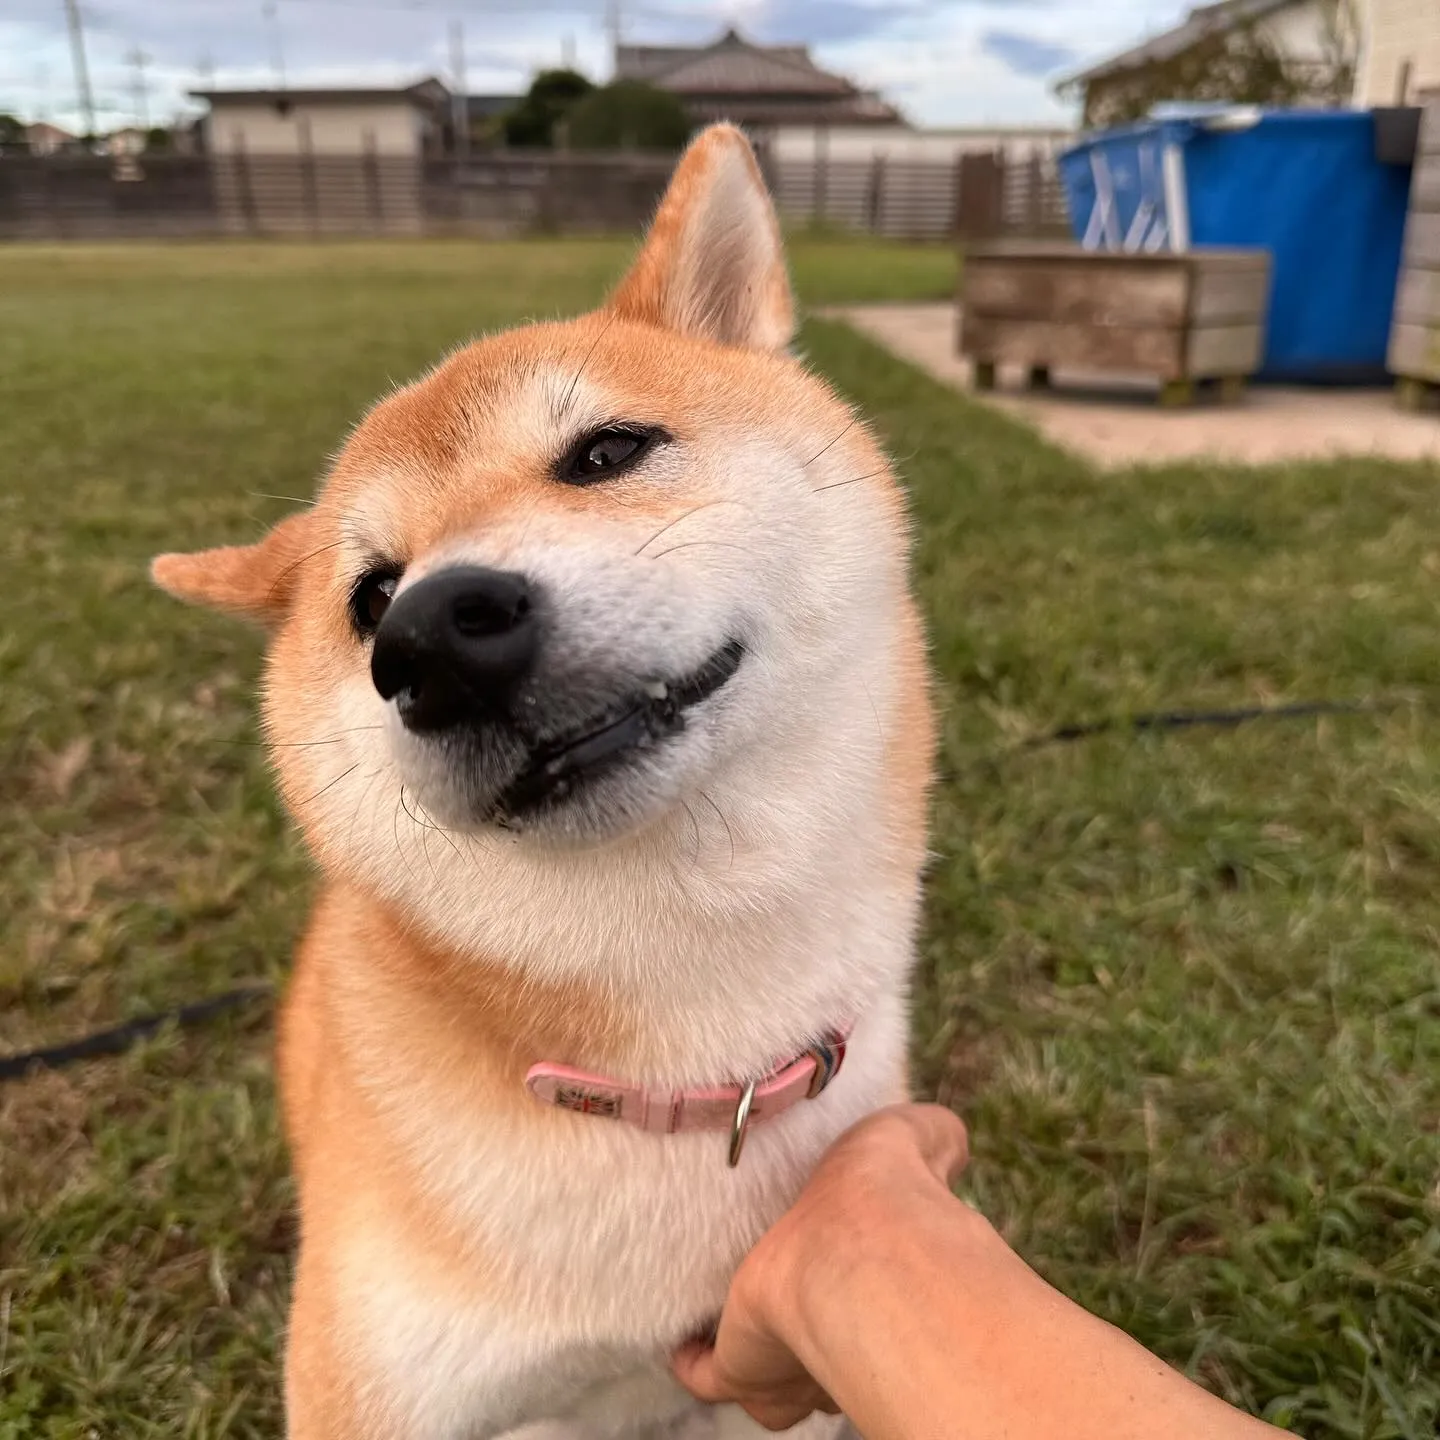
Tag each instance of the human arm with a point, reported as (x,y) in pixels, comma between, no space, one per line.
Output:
(882,1295)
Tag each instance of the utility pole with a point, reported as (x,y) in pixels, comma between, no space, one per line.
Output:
(615,27)
(459,102)
(82,70)
(139,59)
(277,54)
(42,85)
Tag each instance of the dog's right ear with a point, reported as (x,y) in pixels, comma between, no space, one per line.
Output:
(713,265)
(254,581)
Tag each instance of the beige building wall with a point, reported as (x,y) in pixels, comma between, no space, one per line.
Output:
(260,129)
(1401,57)
(362,171)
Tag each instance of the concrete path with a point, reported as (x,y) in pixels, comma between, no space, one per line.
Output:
(1119,423)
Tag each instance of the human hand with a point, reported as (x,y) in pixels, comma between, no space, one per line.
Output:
(875,1186)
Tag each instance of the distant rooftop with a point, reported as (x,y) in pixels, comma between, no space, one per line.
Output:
(423,92)
(745,81)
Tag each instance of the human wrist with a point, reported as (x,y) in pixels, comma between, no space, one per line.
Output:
(833,1296)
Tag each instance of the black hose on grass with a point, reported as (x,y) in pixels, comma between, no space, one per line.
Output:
(121,1038)
(1190,719)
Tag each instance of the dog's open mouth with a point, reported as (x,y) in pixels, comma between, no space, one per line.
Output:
(657,711)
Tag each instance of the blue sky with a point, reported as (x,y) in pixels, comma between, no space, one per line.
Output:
(945,62)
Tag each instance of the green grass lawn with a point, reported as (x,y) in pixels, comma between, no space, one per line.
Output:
(1184,987)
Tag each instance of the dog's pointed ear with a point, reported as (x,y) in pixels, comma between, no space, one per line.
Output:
(254,581)
(713,265)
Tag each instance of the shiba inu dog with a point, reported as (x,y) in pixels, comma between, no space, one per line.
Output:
(595,687)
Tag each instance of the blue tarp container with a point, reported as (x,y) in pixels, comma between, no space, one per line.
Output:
(1304,185)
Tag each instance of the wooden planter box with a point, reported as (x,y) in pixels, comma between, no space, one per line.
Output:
(1181,319)
(1415,335)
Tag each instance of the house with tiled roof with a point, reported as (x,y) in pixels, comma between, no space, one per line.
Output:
(762,87)
(1302,50)
(42,138)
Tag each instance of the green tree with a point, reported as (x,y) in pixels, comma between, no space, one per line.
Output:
(628,115)
(552,93)
(12,134)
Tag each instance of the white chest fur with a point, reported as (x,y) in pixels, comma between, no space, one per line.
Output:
(621,1245)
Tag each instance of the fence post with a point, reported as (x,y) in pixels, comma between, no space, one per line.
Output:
(244,192)
(372,182)
(308,187)
(1034,193)
(959,182)
(764,147)
(979,195)
(875,197)
(47,191)
(822,174)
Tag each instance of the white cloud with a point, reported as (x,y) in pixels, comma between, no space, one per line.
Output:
(941,70)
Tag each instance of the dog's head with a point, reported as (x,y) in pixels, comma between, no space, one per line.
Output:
(581,571)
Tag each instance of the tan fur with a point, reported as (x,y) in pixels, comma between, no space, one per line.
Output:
(400,1029)
(255,581)
(409,1020)
(670,284)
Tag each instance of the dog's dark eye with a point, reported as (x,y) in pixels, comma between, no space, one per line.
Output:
(371,598)
(605,453)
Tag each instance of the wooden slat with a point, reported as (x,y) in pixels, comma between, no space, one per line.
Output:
(1216,351)
(1072,292)
(1418,298)
(1425,187)
(1430,130)
(1156,352)
(1422,240)
(1415,351)
(1225,293)
(1135,290)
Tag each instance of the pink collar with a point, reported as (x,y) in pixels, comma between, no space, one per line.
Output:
(721,1107)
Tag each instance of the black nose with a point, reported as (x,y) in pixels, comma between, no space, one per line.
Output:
(454,645)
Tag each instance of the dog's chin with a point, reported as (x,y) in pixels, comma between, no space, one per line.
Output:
(620,769)
(627,797)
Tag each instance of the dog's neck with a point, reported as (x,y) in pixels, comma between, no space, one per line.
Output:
(718,941)
(664,980)
(733,925)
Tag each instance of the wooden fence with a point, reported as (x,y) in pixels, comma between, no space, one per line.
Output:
(979,194)
(499,192)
